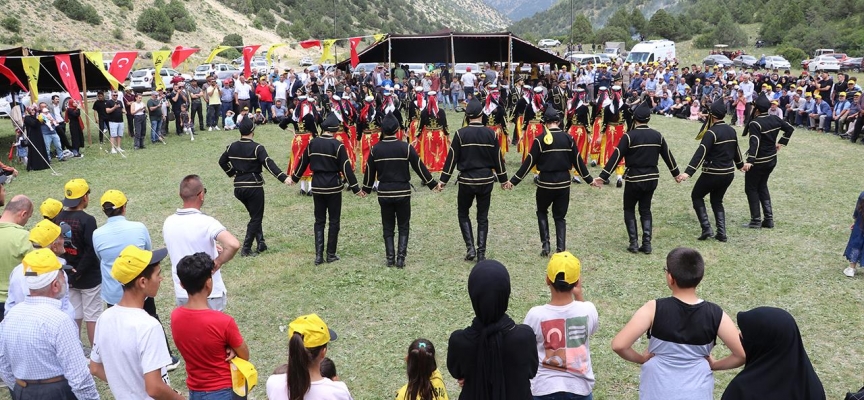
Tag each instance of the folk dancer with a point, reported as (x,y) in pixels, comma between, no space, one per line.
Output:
(613,130)
(554,154)
(597,121)
(560,95)
(519,109)
(390,162)
(414,108)
(346,121)
(719,155)
(244,160)
(475,152)
(761,158)
(307,117)
(577,126)
(327,158)
(433,137)
(493,117)
(533,124)
(642,146)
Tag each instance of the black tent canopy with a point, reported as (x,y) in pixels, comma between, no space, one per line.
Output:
(454,48)
(49,76)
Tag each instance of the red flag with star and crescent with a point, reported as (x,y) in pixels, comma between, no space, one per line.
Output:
(248,52)
(355,58)
(64,66)
(122,64)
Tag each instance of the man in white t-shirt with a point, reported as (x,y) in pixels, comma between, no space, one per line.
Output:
(562,329)
(129,350)
(190,231)
(242,93)
(280,89)
(468,82)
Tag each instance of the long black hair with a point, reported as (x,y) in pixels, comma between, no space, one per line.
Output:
(421,365)
(299,360)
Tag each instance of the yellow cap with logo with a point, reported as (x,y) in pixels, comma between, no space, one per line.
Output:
(74,191)
(566,263)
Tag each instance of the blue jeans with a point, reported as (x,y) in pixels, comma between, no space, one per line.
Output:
(454,97)
(224,394)
(49,139)
(561,396)
(266,111)
(155,129)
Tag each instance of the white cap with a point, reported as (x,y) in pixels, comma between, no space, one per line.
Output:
(538,89)
(432,93)
(369,99)
(336,97)
(616,87)
(603,88)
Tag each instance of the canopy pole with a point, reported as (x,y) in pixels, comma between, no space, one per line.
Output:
(509,52)
(84,99)
(453,52)
(389,52)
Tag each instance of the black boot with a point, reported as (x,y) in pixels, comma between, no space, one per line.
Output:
(560,236)
(720,217)
(543,223)
(755,214)
(262,246)
(481,242)
(319,247)
(702,215)
(402,250)
(646,236)
(630,223)
(468,237)
(332,242)
(390,251)
(768,221)
(246,250)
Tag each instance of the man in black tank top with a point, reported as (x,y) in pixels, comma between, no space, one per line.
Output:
(719,155)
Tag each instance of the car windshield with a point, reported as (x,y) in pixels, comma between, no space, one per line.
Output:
(202,68)
(463,67)
(638,57)
(415,66)
(139,73)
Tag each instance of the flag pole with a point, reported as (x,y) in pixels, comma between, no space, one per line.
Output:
(84,97)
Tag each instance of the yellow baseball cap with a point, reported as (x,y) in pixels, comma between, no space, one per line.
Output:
(818,96)
(688,99)
(851,81)
(75,190)
(244,376)
(132,261)
(313,329)
(564,262)
(46,232)
(50,208)
(40,262)
(841,94)
(115,197)
(857,94)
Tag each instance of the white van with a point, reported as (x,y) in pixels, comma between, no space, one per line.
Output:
(652,50)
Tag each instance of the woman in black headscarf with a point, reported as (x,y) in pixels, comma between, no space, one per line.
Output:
(37,159)
(494,358)
(777,365)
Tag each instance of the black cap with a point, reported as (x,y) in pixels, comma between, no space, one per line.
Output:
(331,123)
(474,109)
(552,114)
(643,112)
(389,125)
(718,108)
(246,126)
(762,103)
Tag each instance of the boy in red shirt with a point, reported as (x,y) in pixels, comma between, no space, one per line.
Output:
(207,339)
(264,91)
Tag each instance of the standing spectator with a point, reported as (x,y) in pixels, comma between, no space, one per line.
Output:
(195,105)
(40,355)
(49,132)
(76,127)
(190,231)
(264,92)
(178,98)
(14,239)
(212,95)
(494,357)
(101,115)
(227,98)
(114,111)
(242,94)
(468,82)
(139,119)
(36,159)
(280,89)
(154,111)
(855,247)
(202,335)
(85,280)
(127,99)
(56,111)
(456,93)
(682,331)
(565,359)
(825,86)
(130,353)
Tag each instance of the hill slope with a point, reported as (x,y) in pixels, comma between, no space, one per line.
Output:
(556,20)
(519,9)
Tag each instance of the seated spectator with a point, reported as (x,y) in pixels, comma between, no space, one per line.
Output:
(838,115)
(207,339)
(565,360)
(682,331)
(695,110)
(775,109)
(494,355)
(328,369)
(854,114)
(307,347)
(793,107)
(820,111)
(258,117)
(681,108)
(279,111)
(805,110)
(664,107)
(777,364)
(50,208)
(228,123)
(424,380)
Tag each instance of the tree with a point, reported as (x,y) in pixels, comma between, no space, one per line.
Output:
(637,20)
(182,21)
(663,25)
(233,40)
(620,19)
(611,34)
(11,24)
(154,23)
(582,31)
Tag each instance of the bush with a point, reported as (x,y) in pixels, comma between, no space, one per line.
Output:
(265,18)
(11,24)
(79,12)
(176,12)
(154,23)
(232,39)
(283,30)
(117,33)
(139,45)
(793,54)
(127,4)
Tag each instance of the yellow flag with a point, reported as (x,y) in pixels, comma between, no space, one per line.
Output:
(95,57)
(159,58)
(270,51)
(326,54)
(31,68)
(215,51)
(378,36)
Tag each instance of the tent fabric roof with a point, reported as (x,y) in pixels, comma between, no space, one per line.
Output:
(468,47)
(49,76)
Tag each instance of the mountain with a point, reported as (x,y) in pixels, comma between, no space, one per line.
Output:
(519,9)
(555,21)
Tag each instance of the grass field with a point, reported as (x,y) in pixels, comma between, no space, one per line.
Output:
(378,311)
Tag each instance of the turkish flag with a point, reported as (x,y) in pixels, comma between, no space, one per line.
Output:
(355,59)
(248,52)
(180,54)
(64,66)
(310,43)
(5,71)
(122,64)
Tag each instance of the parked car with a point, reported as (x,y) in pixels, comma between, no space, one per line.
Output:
(327,68)
(583,59)
(548,43)
(367,67)
(418,69)
(824,63)
(259,65)
(24,100)
(840,57)
(806,62)
(204,70)
(143,79)
(853,64)
(745,60)
(305,61)
(717,60)
(461,68)
(777,62)
(604,58)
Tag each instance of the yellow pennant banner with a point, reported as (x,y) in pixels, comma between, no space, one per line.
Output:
(270,51)
(31,68)
(378,37)
(215,51)
(96,58)
(159,58)
(326,54)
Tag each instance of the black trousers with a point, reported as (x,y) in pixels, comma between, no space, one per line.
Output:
(327,205)
(559,199)
(64,141)
(395,211)
(714,185)
(638,193)
(196,109)
(253,200)
(756,182)
(465,199)
(55,391)
(856,132)
(177,123)
(213,115)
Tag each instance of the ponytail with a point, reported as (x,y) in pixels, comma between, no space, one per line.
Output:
(299,360)
(421,365)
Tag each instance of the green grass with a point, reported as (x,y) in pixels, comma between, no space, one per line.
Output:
(378,311)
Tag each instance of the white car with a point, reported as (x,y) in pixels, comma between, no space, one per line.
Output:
(204,70)
(305,61)
(548,43)
(143,79)
(778,62)
(824,63)
(418,69)
(461,68)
